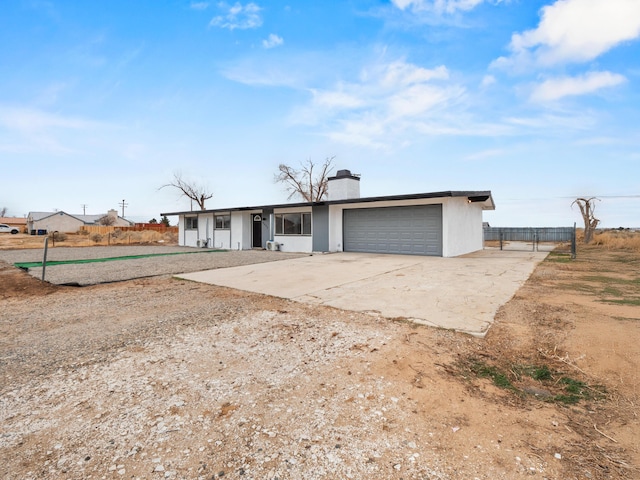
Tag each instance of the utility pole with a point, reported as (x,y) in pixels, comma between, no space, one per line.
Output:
(123,204)
(84,209)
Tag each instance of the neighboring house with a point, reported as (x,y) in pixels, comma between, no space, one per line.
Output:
(444,224)
(18,222)
(44,222)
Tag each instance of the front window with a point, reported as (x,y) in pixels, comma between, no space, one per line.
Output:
(223,222)
(191,223)
(293,224)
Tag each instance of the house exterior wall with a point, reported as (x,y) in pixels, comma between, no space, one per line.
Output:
(181,231)
(189,237)
(295,243)
(222,239)
(320,228)
(60,222)
(206,231)
(461,227)
(241,224)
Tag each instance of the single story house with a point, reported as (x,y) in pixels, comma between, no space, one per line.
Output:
(444,224)
(44,222)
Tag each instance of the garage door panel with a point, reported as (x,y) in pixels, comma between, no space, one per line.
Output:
(415,230)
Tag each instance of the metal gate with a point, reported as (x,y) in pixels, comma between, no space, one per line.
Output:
(532,235)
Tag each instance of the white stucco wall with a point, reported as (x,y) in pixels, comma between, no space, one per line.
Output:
(60,222)
(343,188)
(205,226)
(241,230)
(236,231)
(181,231)
(461,227)
(222,239)
(294,243)
(188,238)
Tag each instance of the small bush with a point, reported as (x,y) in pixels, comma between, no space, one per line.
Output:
(541,373)
(96,237)
(59,236)
(83,232)
(117,233)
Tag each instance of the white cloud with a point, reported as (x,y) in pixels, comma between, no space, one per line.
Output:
(272,41)
(199,5)
(388,102)
(401,74)
(556,88)
(488,80)
(575,31)
(582,120)
(29,119)
(440,6)
(238,16)
(336,99)
(483,155)
(40,130)
(417,100)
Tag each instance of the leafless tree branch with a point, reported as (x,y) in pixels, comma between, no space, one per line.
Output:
(107,220)
(304,182)
(191,190)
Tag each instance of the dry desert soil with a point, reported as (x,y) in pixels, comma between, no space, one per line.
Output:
(163,378)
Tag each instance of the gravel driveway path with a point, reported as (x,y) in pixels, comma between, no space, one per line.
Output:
(192,260)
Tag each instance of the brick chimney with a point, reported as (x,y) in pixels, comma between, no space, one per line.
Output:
(343,186)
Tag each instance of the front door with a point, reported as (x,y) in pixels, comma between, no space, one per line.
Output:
(257,231)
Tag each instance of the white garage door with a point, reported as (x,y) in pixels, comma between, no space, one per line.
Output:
(415,230)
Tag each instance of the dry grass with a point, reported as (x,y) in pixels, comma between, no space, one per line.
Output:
(126,238)
(618,240)
(117,237)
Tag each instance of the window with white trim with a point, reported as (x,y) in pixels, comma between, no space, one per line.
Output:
(223,222)
(191,223)
(293,223)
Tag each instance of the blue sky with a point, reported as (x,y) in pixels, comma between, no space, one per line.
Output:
(537,101)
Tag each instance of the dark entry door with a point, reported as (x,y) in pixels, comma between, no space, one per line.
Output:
(257,231)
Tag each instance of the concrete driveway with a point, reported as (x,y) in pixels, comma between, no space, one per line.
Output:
(462,293)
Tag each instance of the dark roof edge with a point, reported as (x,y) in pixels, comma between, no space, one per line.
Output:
(473,195)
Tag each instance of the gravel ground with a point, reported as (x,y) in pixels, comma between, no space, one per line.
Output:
(191,260)
(161,378)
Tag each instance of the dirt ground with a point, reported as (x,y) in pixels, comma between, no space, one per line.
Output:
(163,378)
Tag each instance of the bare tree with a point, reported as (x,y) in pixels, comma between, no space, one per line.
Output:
(3,211)
(191,190)
(587,209)
(107,220)
(310,185)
